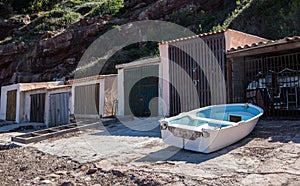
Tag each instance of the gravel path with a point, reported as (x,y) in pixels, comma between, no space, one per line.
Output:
(270,155)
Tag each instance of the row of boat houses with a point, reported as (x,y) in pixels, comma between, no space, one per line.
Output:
(52,103)
(227,66)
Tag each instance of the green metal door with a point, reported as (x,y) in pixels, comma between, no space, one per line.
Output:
(87,99)
(140,87)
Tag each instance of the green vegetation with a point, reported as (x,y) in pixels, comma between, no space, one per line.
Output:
(55,15)
(127,54)
(273,19)
(30,6)
(54,20)
(241,6)
(107,7)
(201,21)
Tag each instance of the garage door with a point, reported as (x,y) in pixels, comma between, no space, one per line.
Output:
(11,105)
(87,99)
(59,109)
(140,87)
(37,107)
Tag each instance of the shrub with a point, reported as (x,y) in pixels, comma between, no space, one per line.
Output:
(85,8)
(111,7)
(31,6)
(55,20)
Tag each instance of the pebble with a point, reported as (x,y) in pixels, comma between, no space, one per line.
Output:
(55,176)
(23,168)
(92,171)
(87,179)
(68,183)
(83,167)
(45,182)
(61,173)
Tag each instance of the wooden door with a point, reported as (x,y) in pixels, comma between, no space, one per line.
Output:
(37,107)
(59,109)
(11,105)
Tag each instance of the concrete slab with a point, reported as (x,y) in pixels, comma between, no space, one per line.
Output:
(270,155)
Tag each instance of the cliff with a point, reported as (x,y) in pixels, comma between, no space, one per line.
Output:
(40,44)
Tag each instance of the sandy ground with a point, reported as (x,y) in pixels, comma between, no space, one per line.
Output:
(116,154)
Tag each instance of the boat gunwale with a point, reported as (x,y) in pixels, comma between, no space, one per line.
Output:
(216,121)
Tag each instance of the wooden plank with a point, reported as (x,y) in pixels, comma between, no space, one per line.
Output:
(45,134)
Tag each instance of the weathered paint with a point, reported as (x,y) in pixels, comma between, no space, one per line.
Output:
(59,109)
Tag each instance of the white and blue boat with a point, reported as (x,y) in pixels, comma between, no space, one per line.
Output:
(210,128)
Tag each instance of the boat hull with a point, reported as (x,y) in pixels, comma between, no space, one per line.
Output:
(207,140)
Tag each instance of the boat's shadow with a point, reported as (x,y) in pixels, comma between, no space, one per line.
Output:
(175,154)
(274,131)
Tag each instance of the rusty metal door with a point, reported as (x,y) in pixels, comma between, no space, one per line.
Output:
(11,105)
(37,107)
(59,109)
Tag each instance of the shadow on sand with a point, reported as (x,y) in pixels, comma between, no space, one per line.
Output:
(274,131)
(175,154)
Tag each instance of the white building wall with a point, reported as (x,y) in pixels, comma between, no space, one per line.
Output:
(101,97)
(4,91)
(121,92)
(165,74)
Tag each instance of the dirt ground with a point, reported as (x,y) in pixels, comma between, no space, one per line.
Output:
(116,155)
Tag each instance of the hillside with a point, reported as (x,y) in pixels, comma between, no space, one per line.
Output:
(44,39)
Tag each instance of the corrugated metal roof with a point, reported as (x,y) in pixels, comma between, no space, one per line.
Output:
(264,44)
(139,63)
(37,85)
(193,37)
(207,34)
(59,87)
(48,88)
(91,78)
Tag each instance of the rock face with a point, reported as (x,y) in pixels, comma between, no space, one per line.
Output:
(50,57)
(55,56)
(161,8)
(153,9)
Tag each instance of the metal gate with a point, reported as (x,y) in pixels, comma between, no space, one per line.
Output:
(272,82)
(140,87)
(37,107)
(181,64)
(59,109)
(11,105)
